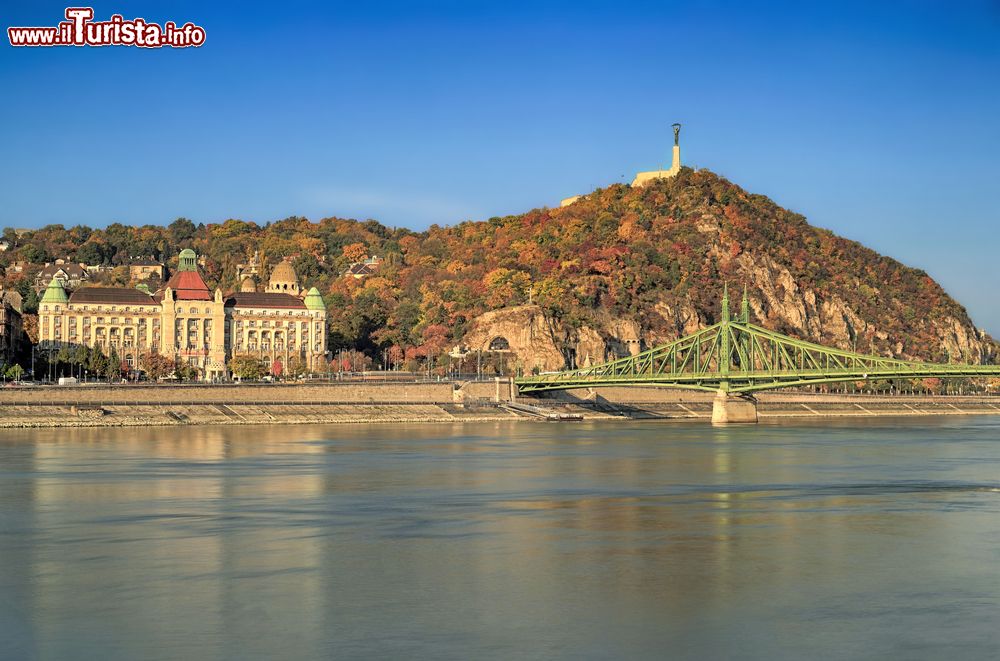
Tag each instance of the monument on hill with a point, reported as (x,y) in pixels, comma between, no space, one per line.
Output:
(643,178)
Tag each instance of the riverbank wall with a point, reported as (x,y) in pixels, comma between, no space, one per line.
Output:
(352,402)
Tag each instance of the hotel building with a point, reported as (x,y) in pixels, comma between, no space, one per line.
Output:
(186,321)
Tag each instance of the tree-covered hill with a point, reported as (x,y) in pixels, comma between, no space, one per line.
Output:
(657,256)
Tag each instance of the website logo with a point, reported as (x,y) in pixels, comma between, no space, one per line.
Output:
(80,29)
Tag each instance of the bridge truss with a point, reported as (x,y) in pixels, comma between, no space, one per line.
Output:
(736,356)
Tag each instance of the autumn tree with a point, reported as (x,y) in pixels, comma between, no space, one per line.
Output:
(156,365)
(355,252)
(246,366)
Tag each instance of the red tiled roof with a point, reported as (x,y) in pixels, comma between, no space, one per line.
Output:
(111,295)
(188,286)
(264,300)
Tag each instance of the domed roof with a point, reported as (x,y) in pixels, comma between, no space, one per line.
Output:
(54,293)
(249,284)
(284,272)
(187,260)
(283,278)
(314,301)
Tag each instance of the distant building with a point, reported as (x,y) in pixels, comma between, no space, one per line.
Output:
(144,269)
(12,338)
(4,245)
(361,269)
(249,273)
(69,274)
(186,321)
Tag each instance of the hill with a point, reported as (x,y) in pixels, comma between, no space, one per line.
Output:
(619,269)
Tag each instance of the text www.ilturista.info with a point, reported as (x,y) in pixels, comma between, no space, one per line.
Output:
(79,29)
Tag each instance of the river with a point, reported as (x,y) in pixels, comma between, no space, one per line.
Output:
(823,540)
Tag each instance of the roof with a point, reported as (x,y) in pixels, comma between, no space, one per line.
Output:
(111,295)
(264,300)
(360,268)
(71,269)
(314,301)
(284,272)
(188,286)
(54,293)
(144,262)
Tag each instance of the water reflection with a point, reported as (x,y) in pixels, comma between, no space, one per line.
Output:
(500,540)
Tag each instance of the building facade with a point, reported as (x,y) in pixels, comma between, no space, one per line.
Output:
(144,269)
(187,322)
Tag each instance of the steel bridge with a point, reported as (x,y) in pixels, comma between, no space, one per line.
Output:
(737,357)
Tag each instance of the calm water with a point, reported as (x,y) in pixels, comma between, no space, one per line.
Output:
(506,541)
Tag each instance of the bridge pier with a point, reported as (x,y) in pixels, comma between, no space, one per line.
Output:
(729,408)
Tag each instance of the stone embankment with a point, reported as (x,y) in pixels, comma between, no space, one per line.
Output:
(663,403)
(120,406)
(129,406)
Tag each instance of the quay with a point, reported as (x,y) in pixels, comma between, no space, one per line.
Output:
(472,401)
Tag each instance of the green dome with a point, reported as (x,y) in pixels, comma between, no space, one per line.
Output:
(314,301)
(55,293)
(187,260)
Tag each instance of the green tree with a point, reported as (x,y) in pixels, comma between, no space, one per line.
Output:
(246,366)
(114,365)
(186,372)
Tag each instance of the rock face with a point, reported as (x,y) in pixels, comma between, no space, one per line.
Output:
(522,331)
(637,267)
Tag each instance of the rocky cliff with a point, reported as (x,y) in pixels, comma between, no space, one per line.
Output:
(650,264)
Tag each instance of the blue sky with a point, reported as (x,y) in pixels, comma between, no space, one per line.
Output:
(878,120)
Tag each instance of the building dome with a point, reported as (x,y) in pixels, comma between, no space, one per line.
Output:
(283,279)
(314,301)
(249,284)
(187,260)
(54,293)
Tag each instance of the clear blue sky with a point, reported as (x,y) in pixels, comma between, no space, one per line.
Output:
(878,120)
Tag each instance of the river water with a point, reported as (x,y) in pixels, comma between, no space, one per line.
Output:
(822,540)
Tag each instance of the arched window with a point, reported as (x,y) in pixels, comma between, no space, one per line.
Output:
(499,344)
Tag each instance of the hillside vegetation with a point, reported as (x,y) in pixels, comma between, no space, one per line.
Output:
(657,256)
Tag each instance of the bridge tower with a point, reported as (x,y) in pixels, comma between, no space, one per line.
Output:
(729,407)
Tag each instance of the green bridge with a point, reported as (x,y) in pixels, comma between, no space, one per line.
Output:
(735,358)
